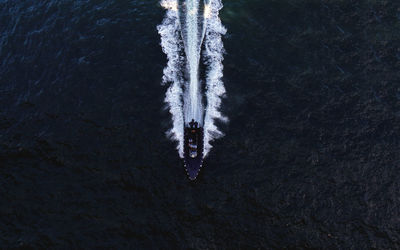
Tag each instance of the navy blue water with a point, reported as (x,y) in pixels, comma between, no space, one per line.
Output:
(310,158)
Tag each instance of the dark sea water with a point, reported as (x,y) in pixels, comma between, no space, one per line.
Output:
(311,153)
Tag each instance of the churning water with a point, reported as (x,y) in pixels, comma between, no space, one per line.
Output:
(190,34)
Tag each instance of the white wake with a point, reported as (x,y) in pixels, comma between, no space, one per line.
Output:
(187,25)
(193,107)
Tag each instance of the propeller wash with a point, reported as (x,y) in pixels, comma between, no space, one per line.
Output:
(191,38)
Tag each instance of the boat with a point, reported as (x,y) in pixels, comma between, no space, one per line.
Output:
(193,149)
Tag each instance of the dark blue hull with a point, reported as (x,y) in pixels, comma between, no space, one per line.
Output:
(193,164)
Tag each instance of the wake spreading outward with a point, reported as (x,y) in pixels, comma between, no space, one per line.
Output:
(191,38)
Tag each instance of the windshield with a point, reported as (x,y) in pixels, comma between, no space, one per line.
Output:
(192,148)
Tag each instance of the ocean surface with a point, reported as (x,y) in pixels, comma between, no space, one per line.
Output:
(310,157)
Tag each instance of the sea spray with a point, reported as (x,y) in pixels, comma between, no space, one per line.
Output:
(213,57)
(171,44)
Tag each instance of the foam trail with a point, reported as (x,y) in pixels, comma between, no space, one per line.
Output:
(193,106)
(185,27)
(172,45)
(213,57)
